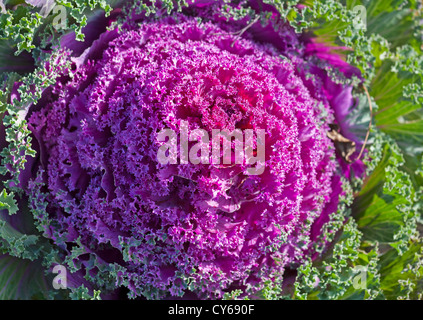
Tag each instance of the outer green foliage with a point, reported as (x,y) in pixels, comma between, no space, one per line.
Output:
(21,279)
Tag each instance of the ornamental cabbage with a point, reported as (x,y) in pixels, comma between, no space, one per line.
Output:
(124,222)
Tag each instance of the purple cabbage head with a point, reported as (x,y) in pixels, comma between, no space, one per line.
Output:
(195,229)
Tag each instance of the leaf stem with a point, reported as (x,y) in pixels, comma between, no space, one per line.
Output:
(370,123)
